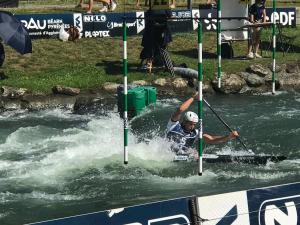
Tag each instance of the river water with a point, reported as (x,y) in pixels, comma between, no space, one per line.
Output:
(55,163)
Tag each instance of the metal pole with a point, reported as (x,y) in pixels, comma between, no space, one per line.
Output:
(219,42)
(274,48)
(125,117)
(200,98)
(190,5)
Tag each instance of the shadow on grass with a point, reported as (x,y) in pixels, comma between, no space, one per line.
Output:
(194,53)
(115,68)
(284,47)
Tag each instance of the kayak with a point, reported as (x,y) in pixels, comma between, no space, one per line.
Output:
(257,159)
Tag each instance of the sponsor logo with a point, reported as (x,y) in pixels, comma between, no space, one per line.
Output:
(285,18)
(112,25)
(230,217)
(112,212)
(282,211)
(176,219)
(196,15)
(225,209)
(50,24)
(94,18)
(89,34)
(140,23)
(182,14)
(35,24)
(211,24)
(78,21)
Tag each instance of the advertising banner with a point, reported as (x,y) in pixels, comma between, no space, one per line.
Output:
(109,24)
(284,16)
(45,25)
(103,25)
(175,211)
(276,205)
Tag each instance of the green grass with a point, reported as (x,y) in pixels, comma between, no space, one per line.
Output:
(88,63)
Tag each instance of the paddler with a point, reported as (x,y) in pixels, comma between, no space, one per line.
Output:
(184,134)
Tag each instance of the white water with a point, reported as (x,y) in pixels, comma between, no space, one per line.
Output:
(54,156)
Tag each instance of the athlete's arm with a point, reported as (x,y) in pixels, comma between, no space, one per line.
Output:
(184,106)
(212,139)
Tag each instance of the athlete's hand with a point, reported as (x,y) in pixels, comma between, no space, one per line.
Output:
(233,135)
(195,95)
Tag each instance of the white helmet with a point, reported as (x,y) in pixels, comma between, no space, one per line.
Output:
(191,116)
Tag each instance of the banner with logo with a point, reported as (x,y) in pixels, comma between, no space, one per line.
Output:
(175,211)
(110,24)
(45,25)
(284,16)
(277,205)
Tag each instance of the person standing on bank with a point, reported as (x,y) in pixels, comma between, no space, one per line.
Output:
(157,34)
(257,14)
(184,134)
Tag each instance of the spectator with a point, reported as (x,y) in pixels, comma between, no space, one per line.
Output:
(210,2)
(257,14)
(108,4)
(138,6)
(80,4)
(156,36)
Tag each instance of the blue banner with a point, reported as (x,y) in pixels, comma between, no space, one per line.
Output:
(110,24)
(45,25)
(278,203)
(176,211)
(284,16)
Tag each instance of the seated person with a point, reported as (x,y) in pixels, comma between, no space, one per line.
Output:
(257,14)
(184,134)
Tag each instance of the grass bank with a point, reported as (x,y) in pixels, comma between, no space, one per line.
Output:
(88,63)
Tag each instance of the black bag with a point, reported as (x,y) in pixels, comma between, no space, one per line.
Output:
(226,50)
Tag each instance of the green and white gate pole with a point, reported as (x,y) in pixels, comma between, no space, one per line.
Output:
(219,42)
(125,71)
(200,98)
(274,48)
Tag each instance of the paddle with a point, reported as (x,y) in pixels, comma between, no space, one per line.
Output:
(226,125)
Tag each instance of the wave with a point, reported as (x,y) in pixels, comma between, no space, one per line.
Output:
(6,197)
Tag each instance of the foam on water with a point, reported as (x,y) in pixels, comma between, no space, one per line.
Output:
(98,144)
(277,93)
(6,197)
(288,113)
(59,114)
(257,175)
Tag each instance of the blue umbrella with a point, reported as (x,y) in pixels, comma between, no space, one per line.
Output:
(14,34)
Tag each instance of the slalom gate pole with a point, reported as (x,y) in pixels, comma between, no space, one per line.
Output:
(219,42)
(125,71)
(200,98)
(274,48)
